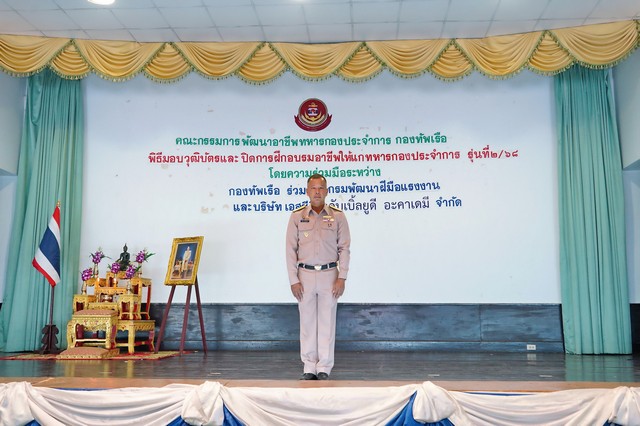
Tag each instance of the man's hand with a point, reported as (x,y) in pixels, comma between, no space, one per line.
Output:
(338,287)
(297,291)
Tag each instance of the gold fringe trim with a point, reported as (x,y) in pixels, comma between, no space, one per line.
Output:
(546,53)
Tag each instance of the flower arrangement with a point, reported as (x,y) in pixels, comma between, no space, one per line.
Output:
(122,265)
(114,267)
(86,274)
(142,256)
(97,256)
(131,272)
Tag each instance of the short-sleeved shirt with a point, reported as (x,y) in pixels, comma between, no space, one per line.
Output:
(317,239)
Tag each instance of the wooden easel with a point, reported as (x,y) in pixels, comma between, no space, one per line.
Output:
(185,320)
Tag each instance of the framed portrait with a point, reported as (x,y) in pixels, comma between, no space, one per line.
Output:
(183,261)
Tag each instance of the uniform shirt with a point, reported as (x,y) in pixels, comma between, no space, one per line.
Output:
(317,239)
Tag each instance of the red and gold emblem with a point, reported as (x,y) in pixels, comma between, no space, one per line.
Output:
(312,115)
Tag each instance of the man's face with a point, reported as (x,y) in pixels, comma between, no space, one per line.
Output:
(317,191)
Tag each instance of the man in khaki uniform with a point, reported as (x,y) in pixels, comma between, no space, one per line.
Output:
(317,243)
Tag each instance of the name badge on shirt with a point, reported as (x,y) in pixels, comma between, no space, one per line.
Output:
(304,220)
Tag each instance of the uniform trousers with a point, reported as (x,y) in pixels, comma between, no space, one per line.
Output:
(317,320)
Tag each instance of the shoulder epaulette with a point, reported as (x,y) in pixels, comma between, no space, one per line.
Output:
(335,208)
(299,208)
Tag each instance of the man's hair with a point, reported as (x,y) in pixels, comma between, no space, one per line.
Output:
(317,176)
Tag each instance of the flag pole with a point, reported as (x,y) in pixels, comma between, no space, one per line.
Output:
(47,261)
(53,293)
(49,339)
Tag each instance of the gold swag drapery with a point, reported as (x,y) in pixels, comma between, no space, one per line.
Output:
(545,52)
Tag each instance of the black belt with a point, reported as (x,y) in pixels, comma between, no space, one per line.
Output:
(318,267)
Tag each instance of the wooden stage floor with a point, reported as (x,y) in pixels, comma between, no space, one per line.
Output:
(459,371)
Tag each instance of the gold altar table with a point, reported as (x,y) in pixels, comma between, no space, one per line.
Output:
(92,320)
(131,327)
(81,301)
(109,290)
(115,305)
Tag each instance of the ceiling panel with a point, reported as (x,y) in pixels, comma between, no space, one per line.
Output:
(472,10)
(14,24)
(227,2)
(107,34)
(282,33)
(303,21)
(563,9)
(465,29)
(510,27)
(326,14)
(375,12)
(94,19)
(141,18)
(175,3)
(154,34)
(234,16)
(552,24)
(79,34)
(241,33)
(617,9)
(519,11)
(330,33)
(195,34)
(289,14)
(380,31)
(418,30)
(185,17)
(32,4)
(50,19)
(412,11)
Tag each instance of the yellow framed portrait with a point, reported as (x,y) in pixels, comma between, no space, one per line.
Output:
(184,260)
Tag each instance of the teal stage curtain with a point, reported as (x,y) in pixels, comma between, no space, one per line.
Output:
(49,170)
(593,277)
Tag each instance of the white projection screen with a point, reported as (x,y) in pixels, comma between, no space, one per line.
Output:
(449,187)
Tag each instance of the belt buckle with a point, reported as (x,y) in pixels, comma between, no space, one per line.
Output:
(317,267)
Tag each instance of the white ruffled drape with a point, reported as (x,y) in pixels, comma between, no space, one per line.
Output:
(21,403)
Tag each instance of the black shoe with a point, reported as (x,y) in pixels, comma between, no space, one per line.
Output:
(323,376)
(309,376)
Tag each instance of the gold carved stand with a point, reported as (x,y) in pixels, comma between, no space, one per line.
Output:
(131,326)
(111,308)
(93,320)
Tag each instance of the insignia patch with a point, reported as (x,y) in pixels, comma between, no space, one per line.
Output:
(312,115)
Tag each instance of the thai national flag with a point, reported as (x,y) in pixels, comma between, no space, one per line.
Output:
(47,259)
